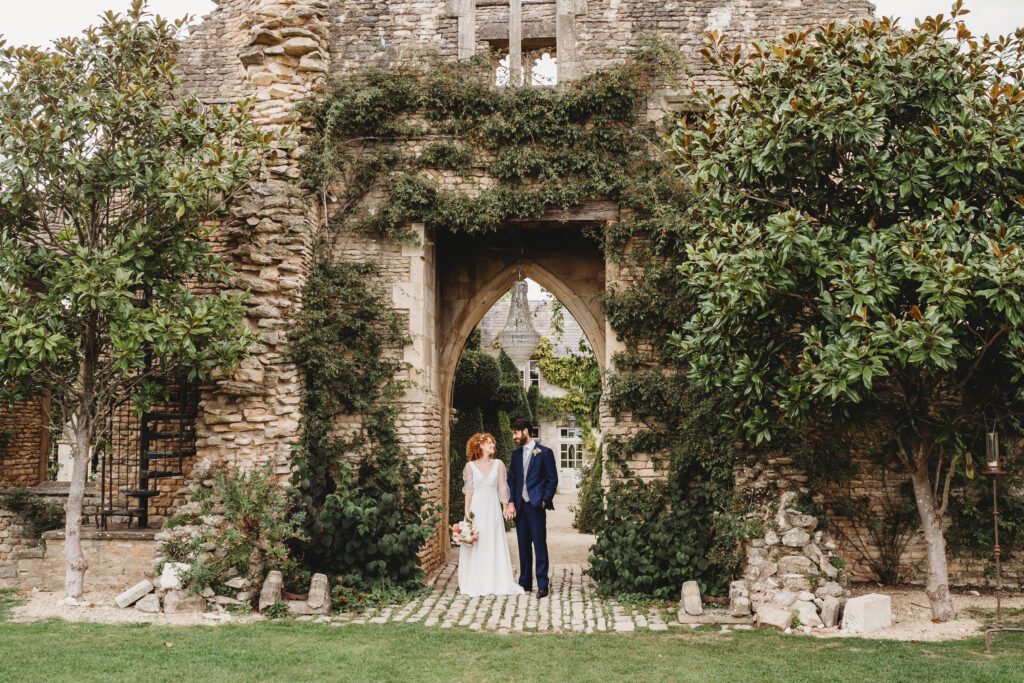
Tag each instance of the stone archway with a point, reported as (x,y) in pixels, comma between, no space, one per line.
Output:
(474,273)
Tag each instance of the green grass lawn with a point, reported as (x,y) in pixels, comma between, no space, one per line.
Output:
(289,651)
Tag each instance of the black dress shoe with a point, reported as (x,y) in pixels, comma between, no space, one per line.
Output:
(542,593)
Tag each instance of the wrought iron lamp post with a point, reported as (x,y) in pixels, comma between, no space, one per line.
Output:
(994,468)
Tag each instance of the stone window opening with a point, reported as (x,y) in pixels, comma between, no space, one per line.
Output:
(539,64)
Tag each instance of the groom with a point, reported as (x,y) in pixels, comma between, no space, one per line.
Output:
(532,481)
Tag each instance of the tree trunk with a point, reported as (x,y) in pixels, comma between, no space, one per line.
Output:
(74,576)
(937,587)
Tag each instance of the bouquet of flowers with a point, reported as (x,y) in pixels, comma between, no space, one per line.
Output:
(465,532)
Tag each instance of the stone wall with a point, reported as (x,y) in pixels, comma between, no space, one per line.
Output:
(24,442)
(769,476)
(117,560)
(13,538)
(883,489)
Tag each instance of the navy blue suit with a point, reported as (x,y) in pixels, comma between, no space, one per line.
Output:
(531,518)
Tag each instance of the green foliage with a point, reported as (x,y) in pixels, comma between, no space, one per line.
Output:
(478,377)
(279,610)
(344,599)
(533,401)
(547,148)
(880,269)
(590,507)
(468,422)
(972,521)
(366,513)
(259,525)
(108,178)
(577,373)
(653,535)
(37,513)
(511,394)
(859,208)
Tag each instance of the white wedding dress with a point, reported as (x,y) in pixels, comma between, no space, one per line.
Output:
(485,568)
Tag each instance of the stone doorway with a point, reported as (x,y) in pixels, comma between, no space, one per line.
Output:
(565,259)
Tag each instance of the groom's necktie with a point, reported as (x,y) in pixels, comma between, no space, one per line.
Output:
(526,468)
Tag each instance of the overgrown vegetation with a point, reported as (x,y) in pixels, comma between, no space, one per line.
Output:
(654,535)
(37,513)
(243,525)
(110,179)
(398,131)
(366,513)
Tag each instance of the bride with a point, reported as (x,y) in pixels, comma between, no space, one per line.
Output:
(485,567)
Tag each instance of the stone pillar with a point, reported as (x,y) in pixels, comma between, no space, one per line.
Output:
(419,425)
(515,42)
(253,416)
(569,67)
(466,11)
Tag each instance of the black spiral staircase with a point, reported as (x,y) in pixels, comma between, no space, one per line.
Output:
(140,450)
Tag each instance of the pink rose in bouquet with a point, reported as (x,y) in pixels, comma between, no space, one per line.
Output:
(465,532)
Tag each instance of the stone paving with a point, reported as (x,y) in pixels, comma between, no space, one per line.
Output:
(572,606)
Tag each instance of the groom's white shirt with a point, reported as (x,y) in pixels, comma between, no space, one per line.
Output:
(527,449)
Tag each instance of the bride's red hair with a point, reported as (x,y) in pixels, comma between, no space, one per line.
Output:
(473,446)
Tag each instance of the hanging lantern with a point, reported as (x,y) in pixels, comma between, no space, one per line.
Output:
(992,451)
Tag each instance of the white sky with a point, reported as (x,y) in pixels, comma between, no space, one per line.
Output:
(39,21)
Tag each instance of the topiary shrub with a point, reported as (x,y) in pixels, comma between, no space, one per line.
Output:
(477,378)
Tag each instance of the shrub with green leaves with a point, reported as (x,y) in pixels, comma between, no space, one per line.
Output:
(248,520)
(37,513)
(366,512)
(858,213)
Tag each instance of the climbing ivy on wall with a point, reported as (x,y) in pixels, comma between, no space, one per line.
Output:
(366,513)
(396,134)
(397,146)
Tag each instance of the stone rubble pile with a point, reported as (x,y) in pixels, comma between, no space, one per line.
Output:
(790,574)
(168,594)
(789,580)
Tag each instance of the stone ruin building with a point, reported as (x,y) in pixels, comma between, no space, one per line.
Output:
(280,52)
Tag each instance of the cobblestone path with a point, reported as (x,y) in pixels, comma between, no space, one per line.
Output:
(572,606)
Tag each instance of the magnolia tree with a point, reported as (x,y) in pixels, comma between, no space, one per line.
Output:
(107,278)
(859,204)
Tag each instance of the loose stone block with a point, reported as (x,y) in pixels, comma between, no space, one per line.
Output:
(170,577)
(807,613)
(149,603)
(691,598)
(134,594)
(740,606)
(270,593)
(238,583)
(775,616)
(179,602)
(830,611)
(319,593)
(867,613)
